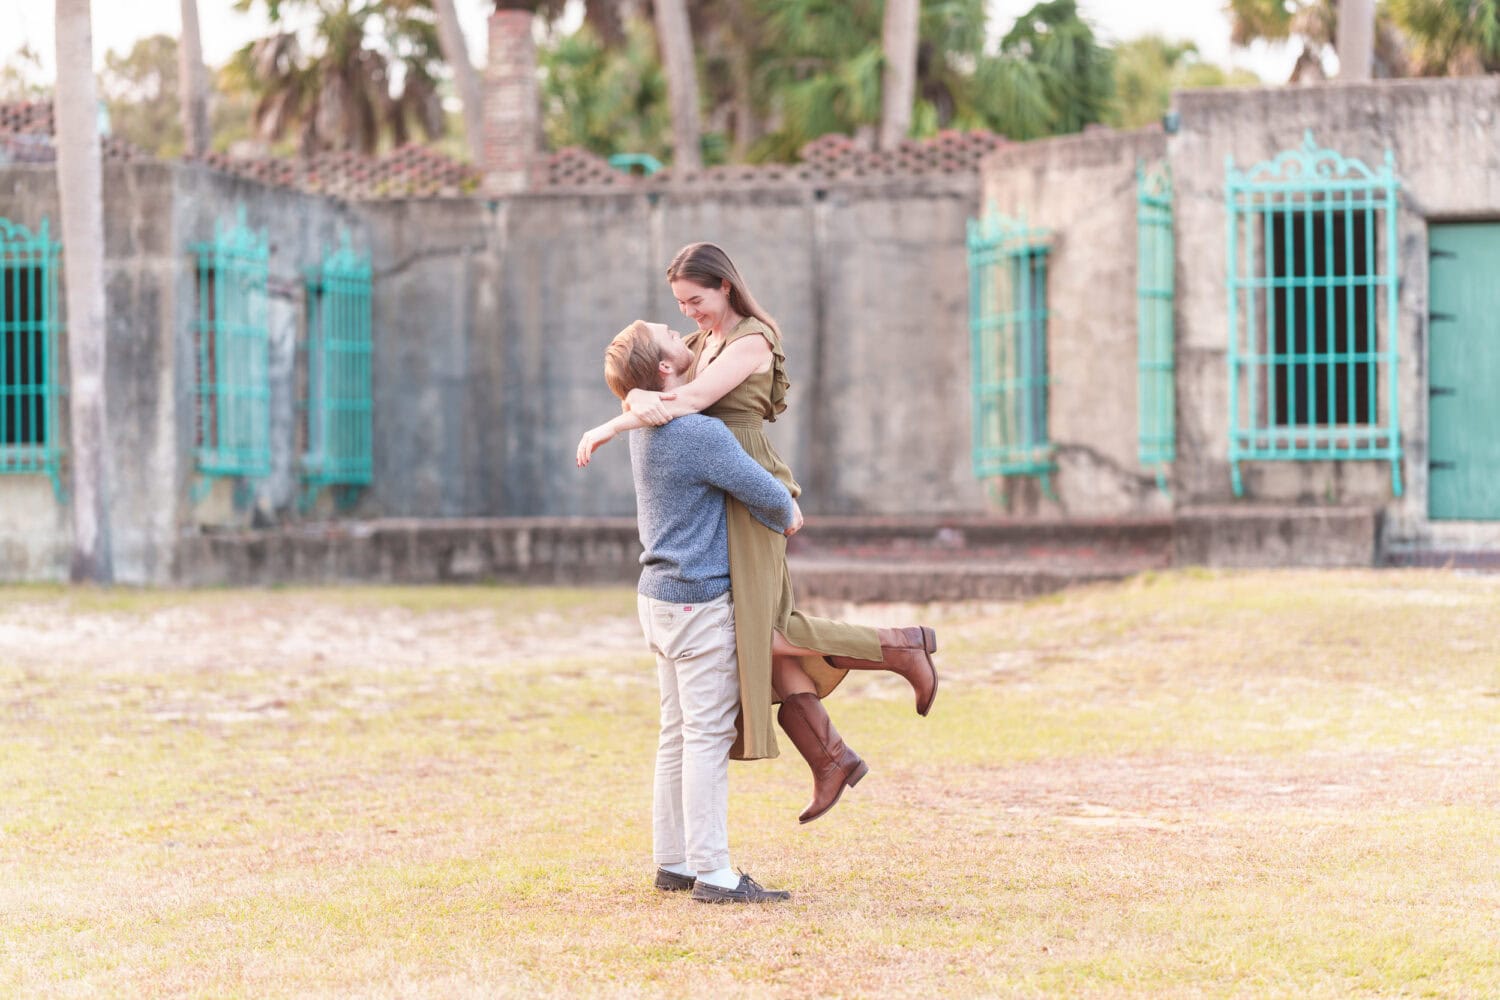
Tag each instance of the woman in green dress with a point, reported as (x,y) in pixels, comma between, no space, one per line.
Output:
(784,655)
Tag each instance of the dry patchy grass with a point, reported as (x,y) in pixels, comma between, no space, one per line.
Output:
(1191,784)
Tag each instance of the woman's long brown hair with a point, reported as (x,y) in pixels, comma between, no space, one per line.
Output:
(707,266)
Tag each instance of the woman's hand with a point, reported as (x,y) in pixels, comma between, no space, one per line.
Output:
(796,521)
(648,405)
(591,441)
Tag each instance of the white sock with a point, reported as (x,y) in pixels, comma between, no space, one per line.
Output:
(677,868)
(724,878)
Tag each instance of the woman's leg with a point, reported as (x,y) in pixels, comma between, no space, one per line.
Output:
(834,766)
(907,652)
(904,651)
(782,646)
(787,675)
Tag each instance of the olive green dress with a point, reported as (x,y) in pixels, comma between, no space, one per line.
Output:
(758,576)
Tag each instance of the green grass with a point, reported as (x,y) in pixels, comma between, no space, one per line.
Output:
(1190,784)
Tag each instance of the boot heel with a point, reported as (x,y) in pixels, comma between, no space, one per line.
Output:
(858,773)
(929,639)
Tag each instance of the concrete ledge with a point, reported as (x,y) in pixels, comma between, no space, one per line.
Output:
(856,558)
(850,558)
(919,583)
(1246,536)
(508,550)
(1483,560)
(979,537)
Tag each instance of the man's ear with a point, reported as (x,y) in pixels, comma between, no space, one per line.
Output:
(665,367)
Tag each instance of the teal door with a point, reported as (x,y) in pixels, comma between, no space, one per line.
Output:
(1463,335)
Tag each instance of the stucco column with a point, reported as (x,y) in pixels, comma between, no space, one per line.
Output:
(512,109)
(1356,39)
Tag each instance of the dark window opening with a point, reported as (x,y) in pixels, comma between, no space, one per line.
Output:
(23,357)
(205,343)
(1029,291)
(1321,306)
(315,358)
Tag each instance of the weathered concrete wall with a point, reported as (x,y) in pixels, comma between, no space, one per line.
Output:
(1083,189)
(437,351)
(35,532)
(1447,156)
(140,292)
(300,230)
(490,319)
(154,213)
(491,322)
(1443,138)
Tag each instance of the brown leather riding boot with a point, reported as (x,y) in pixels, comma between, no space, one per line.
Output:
(904,651)
(834,766)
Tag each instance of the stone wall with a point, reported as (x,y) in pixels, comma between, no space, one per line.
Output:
(1082,188)
(490,320)
(35,533)
(154,213)
(1443,138)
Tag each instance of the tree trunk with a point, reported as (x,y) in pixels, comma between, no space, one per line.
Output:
(899,78)
(192,83)
(1356,38)
(674,34)
(80,193)
(747,123)
(465,78)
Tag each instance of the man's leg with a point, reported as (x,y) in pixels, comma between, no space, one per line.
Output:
(668,843)
(708,685)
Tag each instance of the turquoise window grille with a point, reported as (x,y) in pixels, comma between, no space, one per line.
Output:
(338,372)
(30,434)
(233,347)
(1312,282)
(1156,263)
(1008,327)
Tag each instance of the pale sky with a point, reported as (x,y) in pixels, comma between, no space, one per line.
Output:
(119,23)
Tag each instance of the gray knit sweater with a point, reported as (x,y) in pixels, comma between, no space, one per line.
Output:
(682,471)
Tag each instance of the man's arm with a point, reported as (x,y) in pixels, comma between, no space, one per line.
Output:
(596,437)
(723,463)
(734,364)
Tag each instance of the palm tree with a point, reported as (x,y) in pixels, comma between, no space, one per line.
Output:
(343,94)
(1150,68)
(674,34)
(465,79)
(1316,24)
(80,192)
(899,79)
(192,83)
(1075,72)
(824,61)
(1449,37)
(606,100)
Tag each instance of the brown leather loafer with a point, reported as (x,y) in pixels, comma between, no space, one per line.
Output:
(672,882)
(748,891)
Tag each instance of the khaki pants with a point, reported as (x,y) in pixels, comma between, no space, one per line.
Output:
(698,674)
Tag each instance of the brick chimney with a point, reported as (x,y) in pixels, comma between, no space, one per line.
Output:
(512,108)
